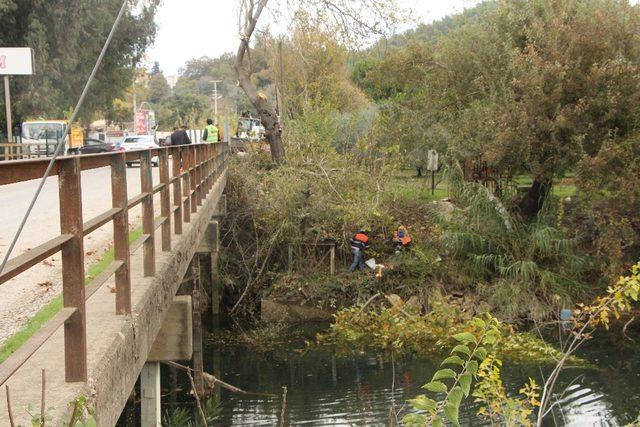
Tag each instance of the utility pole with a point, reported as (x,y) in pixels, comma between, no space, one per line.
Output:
(7,104)
(135,106)
(215,101)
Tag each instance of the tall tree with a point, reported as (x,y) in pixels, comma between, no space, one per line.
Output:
(67,36)
(355,22)
(158,88)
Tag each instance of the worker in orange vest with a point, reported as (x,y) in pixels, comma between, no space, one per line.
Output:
(401,238)
(359,243)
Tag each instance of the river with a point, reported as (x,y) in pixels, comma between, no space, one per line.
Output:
(324,388)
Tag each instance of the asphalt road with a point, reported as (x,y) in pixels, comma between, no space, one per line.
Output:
(24,295)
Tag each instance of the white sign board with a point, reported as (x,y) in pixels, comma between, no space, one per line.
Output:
(432,160)
(16,61)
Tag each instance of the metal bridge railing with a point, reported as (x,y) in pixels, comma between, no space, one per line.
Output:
(195,169)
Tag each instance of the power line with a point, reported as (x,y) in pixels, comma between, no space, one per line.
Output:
(67,127)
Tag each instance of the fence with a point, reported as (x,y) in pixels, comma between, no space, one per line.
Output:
(18,149)
(194,171)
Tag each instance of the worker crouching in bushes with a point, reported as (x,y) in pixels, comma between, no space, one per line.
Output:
(359,244)
(401,238)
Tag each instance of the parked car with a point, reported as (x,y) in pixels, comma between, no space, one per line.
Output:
(94,146)
(140,142)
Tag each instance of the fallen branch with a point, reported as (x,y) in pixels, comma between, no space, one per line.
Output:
(369,301)
(624,329)
(212,381)
(195,394)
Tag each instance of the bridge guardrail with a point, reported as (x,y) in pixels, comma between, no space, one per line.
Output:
(195,169)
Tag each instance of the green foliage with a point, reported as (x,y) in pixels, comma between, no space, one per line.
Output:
(401,330)
(67,36)
(496,406)
(184,417)
(525,269)
(185,106)
(489,392)
(83,414)
(543,88)
(455,385)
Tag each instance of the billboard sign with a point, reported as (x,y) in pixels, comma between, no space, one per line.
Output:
(16,61)
(142,122)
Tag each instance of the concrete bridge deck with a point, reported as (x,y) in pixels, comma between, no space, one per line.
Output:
(117,345)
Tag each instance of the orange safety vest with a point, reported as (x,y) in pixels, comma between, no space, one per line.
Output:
(361,237)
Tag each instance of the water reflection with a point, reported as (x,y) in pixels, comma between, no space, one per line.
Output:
(326,389)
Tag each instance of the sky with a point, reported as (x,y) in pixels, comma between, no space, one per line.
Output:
(194,28)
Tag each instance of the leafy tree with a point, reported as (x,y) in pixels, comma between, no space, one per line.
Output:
(354,21)
(158,88)
(185,106)
(533,87)
(67,36)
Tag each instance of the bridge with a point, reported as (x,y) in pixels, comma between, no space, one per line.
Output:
(99,343)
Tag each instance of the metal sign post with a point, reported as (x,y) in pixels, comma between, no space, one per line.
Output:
(14,61)
(7,105)
(432,165)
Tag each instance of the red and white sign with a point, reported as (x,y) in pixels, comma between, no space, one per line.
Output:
(16,61)
(142,122)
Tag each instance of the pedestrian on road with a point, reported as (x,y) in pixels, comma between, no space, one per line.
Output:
(359,243)
(211,133)
(180,137)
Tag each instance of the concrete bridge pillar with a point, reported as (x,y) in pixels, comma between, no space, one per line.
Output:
(150,403)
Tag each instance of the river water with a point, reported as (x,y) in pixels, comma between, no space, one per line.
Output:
(324,388)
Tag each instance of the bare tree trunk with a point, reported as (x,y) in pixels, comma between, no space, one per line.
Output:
(266,111)
(533,200)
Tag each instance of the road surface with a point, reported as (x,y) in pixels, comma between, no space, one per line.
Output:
(23,296)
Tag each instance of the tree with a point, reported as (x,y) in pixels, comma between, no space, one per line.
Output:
(266,110)
(155,69)
(356,22)
(185,106)
(158,88)
(67,36)
(533,87)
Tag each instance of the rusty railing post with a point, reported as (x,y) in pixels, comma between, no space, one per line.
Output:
(212,151)
(196,173)
(165,200)
(177,189)
(75,328)
(121,233)
(186,185)
(201,173)
(192,178)
(148,226)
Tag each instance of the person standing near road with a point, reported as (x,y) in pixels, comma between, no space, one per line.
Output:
(211,133)
(180,137)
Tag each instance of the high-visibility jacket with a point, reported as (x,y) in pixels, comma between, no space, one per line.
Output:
(212,134)
(360,241)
